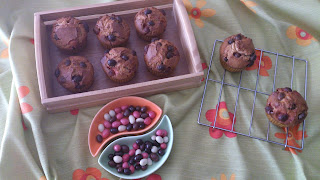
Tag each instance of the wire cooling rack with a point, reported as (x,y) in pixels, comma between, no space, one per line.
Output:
(255,94)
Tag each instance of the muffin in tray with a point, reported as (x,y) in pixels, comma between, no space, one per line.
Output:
(69,34)
(75,73)
(150,23)
(112,31)
(236,53)
(120,64)
(161,57)
(286,108)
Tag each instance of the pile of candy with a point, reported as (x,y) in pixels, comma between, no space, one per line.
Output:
(141,155)
(125,118)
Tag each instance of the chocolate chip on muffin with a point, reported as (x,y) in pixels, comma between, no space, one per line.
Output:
(69,34)
(286,108)
(150,23)
(120,64)
(75,73)
(161,57)
(112,31)
(237,52)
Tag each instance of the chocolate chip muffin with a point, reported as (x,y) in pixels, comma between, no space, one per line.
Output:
(75,73)
(120,64)
(112,31)
(236,53)
(161,57)
(286,108)
(150,23)
(69,34)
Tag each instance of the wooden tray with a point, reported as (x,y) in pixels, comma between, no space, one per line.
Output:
(55,98)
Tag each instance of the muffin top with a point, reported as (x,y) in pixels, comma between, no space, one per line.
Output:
(69,33)
(120,63)
(161,56)
(112,30)
(238,51)
(150,22)
(75,73)
(287,106)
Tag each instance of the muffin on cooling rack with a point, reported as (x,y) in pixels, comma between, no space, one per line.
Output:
(112,31)
(236,53)
(120,64)
(286,108)
(69,34)
(161,57)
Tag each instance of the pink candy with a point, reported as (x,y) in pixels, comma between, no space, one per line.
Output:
(105,133)
(136,114)
(163,146)
(145,155)
(117,110)
(125,157)
(117,147)
(132,152)
(116,124)
(107,124)
(124,107)
(119,116)
(125,165)
(135,146)
(161,132)
(152,114)
(132,169)
(147,121)
(124,121)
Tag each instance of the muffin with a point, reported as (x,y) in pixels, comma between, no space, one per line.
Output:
(112,31)
(69,34)
(75,73)
(150,23)
(286,108)
(120,64)
(236,53)
(161,57)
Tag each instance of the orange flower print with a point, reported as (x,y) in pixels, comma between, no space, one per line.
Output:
(302,37)
(293,136)
(224,120)
(196,13)
(91,173)
(224,177)
(249,4)
(266,64)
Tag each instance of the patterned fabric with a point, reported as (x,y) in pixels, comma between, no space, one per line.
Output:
(39,145)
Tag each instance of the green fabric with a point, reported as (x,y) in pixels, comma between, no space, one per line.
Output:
(38,145)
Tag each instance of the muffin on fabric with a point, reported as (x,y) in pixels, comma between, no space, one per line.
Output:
(236,53)
(120,64)
(161,57)
(150,23)
(70,34)
(75,73)
(112,31)
(286,108)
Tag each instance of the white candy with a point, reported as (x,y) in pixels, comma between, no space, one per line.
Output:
(153,137)
(139,120)
(117,159)
(143,162)
(121,128)
(100,127)
(165,139)
(112,113)
(159,139)
(138,151)
(149,162)
(132,120)
(107,116)
(154,149)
